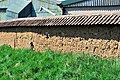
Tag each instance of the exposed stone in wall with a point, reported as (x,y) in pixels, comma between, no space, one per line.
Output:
(98,40)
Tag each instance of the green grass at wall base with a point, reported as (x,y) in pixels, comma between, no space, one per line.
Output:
(25,64)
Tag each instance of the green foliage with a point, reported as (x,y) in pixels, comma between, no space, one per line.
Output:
(25,64)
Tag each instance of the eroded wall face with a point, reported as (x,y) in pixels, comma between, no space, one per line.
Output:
(7,38)
(98,40)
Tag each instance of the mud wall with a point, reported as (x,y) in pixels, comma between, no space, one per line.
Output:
(98,40)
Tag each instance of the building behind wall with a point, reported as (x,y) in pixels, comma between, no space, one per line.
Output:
(12,9)
(91,7)
(18,9)
(48,4)
(3,8)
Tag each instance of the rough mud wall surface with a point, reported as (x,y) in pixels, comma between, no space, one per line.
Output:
(23,40)
(98,40)
(8,38)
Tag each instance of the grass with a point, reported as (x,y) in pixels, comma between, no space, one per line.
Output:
(25,64)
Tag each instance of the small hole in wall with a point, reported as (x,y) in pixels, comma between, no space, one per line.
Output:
(81,39)
(103,49)
(31,45)
(62,44)
(86,47)
(47,35)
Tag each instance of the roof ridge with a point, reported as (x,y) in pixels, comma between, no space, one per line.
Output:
(53,17)
(64,20)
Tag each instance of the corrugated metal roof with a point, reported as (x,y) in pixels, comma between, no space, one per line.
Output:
(17,6)
(66,2)
(65,20)
(92,3)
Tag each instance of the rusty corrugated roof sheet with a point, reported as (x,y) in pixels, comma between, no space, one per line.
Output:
(64,20)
